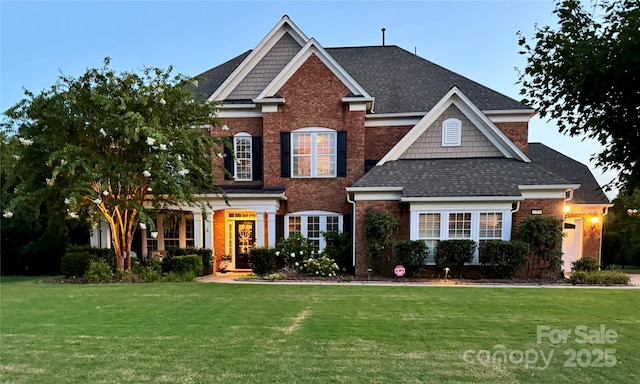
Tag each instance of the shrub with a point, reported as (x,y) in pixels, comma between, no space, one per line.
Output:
(106,254)
(503,259)
(205,255)
(544,236)
(379,228)
(412,254)
(186,263)
(99,271)
(586,264)
(76,263)
(599,277)
(454,253)
(321,266)
(180,276)
(262,260)
(150,274)
(294,249)
(338,248)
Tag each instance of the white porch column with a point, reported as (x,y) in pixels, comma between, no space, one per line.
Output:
(197,230)
(271,228)
(105,235)
(208,230)
(260,229)
(94,240)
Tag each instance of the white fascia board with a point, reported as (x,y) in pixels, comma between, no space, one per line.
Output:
(312,47)
(546,191)
(588,208)
(238,110)
(375,193)
(359,103)
(393,119)
(422,206)
(510,115)
(475,115)
(269,105)
(374,189)
(460,199)
(284,25)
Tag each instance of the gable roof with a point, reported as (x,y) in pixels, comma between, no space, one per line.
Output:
(463,178)
(400,81)
(590,191)
(477,118)
(404,82)
(284,27)
(312,48)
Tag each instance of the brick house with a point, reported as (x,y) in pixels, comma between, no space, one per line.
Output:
(321,134)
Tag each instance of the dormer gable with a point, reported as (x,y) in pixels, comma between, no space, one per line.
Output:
(358,98)
(283,32)
(454,111)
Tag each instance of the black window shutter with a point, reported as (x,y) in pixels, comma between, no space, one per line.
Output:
(347,223)
(279,227)
(342,153)
(228,160)
(256,156)
(285,154)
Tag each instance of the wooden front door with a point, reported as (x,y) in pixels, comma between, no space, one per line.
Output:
(245,237)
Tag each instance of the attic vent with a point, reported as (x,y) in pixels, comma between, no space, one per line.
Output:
(451,133)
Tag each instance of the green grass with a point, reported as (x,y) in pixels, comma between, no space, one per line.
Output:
(230,333)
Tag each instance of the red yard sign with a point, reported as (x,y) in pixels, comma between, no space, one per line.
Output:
(399,270)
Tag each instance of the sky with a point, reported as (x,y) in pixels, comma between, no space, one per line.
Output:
(39,40)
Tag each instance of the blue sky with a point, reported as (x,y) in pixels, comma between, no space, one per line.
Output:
(40,39)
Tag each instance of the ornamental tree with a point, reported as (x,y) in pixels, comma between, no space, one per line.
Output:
(585,75)
(117,146)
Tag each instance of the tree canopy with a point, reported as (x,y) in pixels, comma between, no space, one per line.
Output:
(585,75)
(113,145)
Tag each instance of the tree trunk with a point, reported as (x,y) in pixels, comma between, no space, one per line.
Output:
(122,228)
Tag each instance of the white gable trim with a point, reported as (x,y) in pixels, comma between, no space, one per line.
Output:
(285,25)
(313,48)
(477,118)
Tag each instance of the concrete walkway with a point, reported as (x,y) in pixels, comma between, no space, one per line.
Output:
(232,278)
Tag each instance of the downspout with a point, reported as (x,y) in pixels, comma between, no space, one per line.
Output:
(353,231)
(517,208)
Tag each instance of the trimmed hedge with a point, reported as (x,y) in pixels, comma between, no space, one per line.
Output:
(205,254)
(454,253)
(586,264)
(503,259)
(183,264)
(262,260)
(412,255)
(76,263)
(599,277)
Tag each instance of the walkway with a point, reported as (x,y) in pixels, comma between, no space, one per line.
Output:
(231,278)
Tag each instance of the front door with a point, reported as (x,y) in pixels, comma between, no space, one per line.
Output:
(572,242)
(245,237)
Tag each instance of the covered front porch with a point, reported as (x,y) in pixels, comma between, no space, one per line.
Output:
(230,228)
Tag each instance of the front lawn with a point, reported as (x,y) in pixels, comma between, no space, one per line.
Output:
(232,333)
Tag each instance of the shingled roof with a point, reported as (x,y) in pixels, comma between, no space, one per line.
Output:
(465,177)
(590,191)
(399,80)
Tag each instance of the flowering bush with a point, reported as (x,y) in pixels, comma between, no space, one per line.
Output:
(294,250)
(321,266)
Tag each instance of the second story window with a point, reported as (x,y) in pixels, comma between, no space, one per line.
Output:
(243,165)
(313,153)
